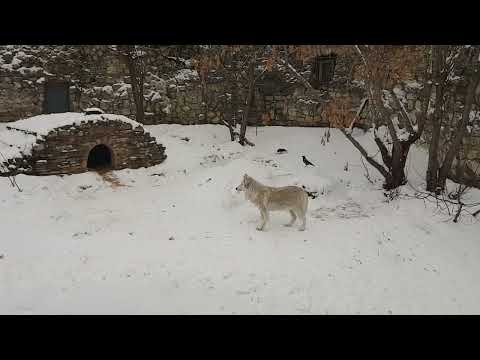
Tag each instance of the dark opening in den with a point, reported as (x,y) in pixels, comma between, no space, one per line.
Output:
(100,157)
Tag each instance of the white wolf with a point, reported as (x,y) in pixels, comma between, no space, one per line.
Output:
(268,198)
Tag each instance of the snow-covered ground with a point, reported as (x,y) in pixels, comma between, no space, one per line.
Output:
(177,239)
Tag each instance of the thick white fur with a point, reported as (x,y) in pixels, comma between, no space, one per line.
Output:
(267,198)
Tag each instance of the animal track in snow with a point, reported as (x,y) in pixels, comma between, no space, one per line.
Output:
(347,210)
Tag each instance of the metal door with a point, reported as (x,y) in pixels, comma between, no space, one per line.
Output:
(57,97)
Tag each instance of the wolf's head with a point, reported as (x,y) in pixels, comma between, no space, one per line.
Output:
(245,184)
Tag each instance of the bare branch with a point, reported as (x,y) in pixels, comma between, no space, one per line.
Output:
(359,113)
(357,48)
(295,73)
(386,157)
(403,112)
(364,153)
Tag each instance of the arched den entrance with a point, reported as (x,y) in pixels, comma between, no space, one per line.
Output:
(100,157)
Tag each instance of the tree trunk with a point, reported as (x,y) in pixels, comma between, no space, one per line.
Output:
(231,129)
(460,130)
(399,156)
(136,80)
(137,90)
(140,112)
(432,170)
(251,89)
(231,106)
(232,133)
(422,116)
(433,165)
(395,162)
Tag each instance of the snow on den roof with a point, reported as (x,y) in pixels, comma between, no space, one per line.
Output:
(43,124)
(14,143)
(21,135)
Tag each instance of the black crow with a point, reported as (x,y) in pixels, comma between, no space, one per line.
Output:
(306,162)
(281,151)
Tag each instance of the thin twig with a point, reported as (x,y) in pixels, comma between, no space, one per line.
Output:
(367,175)
(10,177)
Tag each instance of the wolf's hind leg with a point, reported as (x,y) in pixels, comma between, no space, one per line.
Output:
(302,216)
(302,213)
(292,221)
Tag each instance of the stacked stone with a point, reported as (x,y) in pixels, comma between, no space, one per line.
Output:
(65,149)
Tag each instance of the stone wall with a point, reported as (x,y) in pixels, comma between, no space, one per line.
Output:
(24,71)
(173,91)
(65,150)
(97,78)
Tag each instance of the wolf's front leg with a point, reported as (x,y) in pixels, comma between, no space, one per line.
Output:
(304,223)
(294,217)
(264,214)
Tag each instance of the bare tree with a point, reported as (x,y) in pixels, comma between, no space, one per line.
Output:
(138,60)
(447,60)
(242,66)
(134,58)
(215,57)
(383,67)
